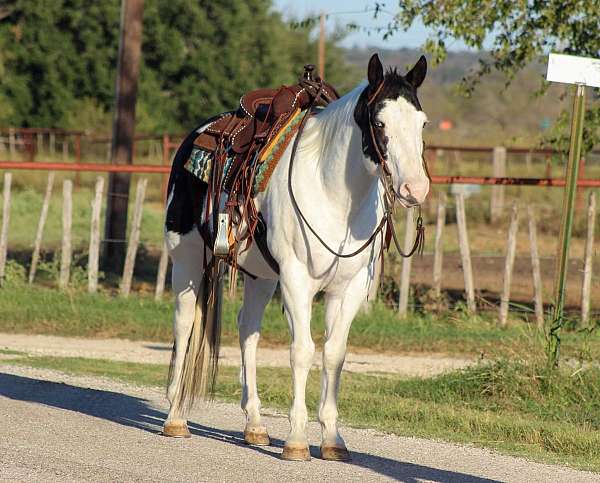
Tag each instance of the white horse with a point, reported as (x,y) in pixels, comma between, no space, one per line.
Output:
(337,187)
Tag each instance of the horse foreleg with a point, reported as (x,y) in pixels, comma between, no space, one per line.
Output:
(297,299)
(257,294)
(186,281)
(339,313)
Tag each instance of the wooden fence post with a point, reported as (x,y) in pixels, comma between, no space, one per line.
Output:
(65,253)
(94,250)
(5,222)
(438,253)
(40,142)
(588,261)
(497,197)
(52,144)
(465,252)
(535,268)
(134,238)
(65,149)
(37,246)
(12,143)
(166,151)
(162,272)
(406,264)
(509,263)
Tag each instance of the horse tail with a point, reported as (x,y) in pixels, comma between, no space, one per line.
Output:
(200,365)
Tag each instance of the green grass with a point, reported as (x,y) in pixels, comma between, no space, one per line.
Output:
(511,407)
(40,310)
(26,205)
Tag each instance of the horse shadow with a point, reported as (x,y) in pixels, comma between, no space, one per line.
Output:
(136,413)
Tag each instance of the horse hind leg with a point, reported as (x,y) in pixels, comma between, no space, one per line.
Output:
(257,294)
(186,282)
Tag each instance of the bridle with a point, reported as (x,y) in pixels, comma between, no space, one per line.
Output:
(385,176)
(390,196)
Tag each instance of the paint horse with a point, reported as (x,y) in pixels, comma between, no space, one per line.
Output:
(321,220)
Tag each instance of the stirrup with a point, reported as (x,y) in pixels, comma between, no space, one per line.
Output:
(221,247)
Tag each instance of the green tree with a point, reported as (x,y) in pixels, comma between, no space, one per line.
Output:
(58,60)
(520,33)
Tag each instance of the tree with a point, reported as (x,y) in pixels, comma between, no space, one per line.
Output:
(58,60)
(520,31)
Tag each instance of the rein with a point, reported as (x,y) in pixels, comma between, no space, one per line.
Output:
(386,179)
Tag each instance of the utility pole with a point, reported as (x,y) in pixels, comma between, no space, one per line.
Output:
(322,46)
(128,68)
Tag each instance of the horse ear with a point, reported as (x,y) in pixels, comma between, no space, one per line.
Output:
(417,74)
(375,72)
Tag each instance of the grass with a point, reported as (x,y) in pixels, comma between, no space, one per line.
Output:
(40,310)
(513,407)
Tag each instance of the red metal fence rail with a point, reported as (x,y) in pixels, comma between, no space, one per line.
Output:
(156,169)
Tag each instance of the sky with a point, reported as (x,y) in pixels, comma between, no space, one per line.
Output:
(340,9)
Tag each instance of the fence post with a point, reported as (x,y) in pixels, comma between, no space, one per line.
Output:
(465,252)
(438,251)
(166,149)
(406,264)
(5,221)
(12,144)
(588,261)
(35,257)
(162,272)
(134,238)
(535,268)
(40,142)
(94,250)
(65,254)
(497,197)
(65,149)
(52,144)
(509,263)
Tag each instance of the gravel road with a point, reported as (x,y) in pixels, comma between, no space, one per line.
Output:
(155,352)
(56,427)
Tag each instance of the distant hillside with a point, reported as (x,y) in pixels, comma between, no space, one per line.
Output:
(450,72)
(493,115)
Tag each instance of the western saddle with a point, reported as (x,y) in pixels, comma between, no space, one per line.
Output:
(235,143)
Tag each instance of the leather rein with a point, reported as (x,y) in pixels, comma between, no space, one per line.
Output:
(385,177)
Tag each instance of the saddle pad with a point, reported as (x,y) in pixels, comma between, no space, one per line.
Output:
(200,164)
(272,152)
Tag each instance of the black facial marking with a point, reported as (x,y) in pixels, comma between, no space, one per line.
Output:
(395,86)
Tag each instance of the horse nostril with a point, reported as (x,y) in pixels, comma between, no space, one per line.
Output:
(405,190)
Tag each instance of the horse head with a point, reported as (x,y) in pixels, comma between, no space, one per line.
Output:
(391,120)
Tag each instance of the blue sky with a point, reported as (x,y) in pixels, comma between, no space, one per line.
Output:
(414,37)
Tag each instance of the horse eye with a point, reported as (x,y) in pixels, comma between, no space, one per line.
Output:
(379,124)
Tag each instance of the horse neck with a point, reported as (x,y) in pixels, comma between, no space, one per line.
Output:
(341,167)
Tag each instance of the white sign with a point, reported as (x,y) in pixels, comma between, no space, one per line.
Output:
(570,69)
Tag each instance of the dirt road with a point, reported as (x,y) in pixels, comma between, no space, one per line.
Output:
(56,427)
(157,353)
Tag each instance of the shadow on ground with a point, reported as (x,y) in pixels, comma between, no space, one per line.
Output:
(138,413)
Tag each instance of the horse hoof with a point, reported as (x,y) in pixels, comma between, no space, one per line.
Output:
(257,437)
(335,453)
(295,453)
(176,429)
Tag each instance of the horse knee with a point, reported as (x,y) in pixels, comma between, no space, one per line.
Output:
(302,354)
(333,357)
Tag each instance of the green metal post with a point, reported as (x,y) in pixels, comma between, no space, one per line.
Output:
(567,225)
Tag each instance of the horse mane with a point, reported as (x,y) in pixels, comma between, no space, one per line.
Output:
(329,124)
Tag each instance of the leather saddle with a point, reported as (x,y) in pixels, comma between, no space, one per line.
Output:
(234,142)
(259,117)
